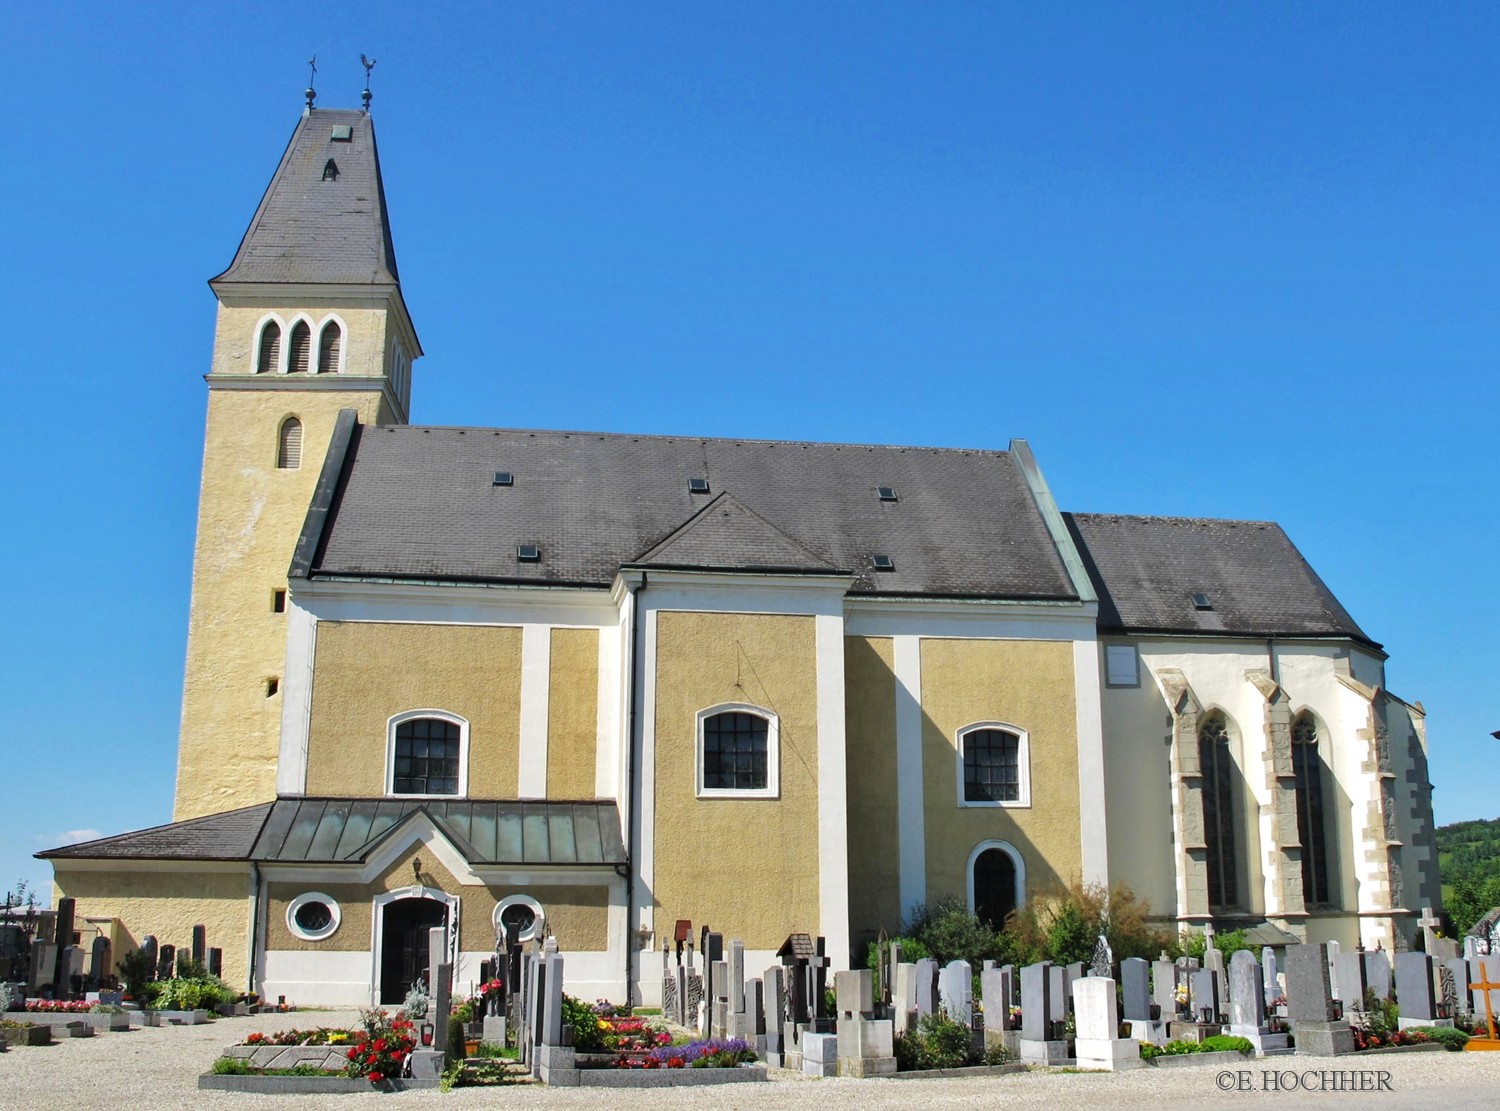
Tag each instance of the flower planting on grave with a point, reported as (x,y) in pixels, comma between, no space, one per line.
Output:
(323,1035)
(188,993)
(714,1053)
(940,1042)
(1218,1043)
(382,1046)
(58,1006)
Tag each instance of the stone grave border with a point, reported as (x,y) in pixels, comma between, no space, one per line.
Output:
(967,1070)
(29,1035)
(669,1078)
(1221,1058)
(99,1022)
(307,1085)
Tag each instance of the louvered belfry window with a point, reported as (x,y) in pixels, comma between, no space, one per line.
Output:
(329,342)
(289,445)
(301,348)
(270,348)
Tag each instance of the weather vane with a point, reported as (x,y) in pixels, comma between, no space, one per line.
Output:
(312,95)
(369,64)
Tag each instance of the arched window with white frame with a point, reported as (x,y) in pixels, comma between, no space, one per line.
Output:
(996,874)
(738,752)
(427,754)
(289,445)
(268,354)
(299,353)
(994,765)
(331,348)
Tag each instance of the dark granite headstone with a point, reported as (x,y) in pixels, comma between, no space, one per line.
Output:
(1414,986)
(1036,1006)
(1135,984)
(200,944)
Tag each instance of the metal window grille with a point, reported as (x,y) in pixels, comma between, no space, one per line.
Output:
(426,758)
(992,766)
(734,752)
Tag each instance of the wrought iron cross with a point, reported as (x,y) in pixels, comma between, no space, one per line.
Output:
(369,64)
(312,66)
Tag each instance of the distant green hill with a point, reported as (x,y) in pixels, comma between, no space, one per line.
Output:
(1469,864)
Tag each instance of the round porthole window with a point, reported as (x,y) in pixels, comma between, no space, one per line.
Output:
(312,916)
(520,913)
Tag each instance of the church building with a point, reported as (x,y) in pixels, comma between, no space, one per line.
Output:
(592,684)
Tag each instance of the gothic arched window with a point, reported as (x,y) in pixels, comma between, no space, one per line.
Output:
(301,349)
(1217,764)
(1312,821)
(289,445)
(269,358)
(330,340)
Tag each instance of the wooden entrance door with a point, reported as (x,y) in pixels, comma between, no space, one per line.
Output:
(403,944)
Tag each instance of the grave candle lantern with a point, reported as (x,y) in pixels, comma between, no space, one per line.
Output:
(427,1035)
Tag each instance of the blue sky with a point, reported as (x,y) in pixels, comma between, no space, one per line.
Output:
(1210,260)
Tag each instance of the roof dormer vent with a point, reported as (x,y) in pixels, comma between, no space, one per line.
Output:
(504,478)
(528,553)
(885,493)
(344,133)
(697,486)
(882,563)
(1202,602)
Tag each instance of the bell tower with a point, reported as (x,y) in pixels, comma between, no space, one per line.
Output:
(311,321)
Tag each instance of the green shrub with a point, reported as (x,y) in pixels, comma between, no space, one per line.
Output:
(948,930)
(493,1051)
(137,970)
(588,1031)
(1194,944)
(230,1066)
(1063,925)
(455,1045)
(1226,1043)
(938,1042)
(1446,1036)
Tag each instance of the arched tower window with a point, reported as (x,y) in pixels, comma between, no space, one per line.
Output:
(1217,764)
(737,752)
(330,340)
(427,754)
(301,349)
(270,348)
(1312,822)
(289,445)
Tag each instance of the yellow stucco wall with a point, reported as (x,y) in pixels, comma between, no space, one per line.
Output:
(573,713)
(167,905)
(870,747)
(747,867)
(577,914)
(1023,683)
(364,673)
(249,515)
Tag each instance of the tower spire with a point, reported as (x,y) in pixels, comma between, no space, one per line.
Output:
(311,94)
(369,64)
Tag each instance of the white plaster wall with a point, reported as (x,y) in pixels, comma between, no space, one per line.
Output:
(1137,774)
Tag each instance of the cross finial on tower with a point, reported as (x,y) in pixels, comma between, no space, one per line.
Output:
(312,94)
(369,64)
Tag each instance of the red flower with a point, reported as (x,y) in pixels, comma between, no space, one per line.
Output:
(676,1063)
(353,1052)
(376,1078)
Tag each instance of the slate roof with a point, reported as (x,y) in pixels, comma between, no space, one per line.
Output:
(311,230)
(419,503)
(1147,569)
(348,831)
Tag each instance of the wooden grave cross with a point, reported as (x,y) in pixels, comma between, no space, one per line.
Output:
(1483,984)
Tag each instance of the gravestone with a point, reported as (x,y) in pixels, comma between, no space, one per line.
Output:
(1010,984)
(1207,1005)
(1429,924)
(1377,967)
(148,947)
(1103,963)
(1164,987)
(855,992)
(755,1007)
(556,1062)
(956,992)
(1458,970)
(99,960)
(1059,1001)
(718,1007)
(1042,1040)
(1310,1004)
(1351,974)
(926,975)
(1247,1005)
(1098,1044)
(1213,961)
(904,996)
(1414,994)
(740,1021)
(1135,985)
(1270,980)
(775,994)
(200,945)
(216,962)
(995,998)
(1071,972)
(1333,968)
(439,977)
(62,938)
(166,962)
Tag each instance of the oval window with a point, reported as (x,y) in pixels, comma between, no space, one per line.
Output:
(312,916)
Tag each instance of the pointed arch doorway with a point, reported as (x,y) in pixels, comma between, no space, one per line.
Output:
(402,922)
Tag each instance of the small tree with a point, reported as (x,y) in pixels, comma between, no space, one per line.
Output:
(1063,925)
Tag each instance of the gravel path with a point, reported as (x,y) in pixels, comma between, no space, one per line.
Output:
(154,1068)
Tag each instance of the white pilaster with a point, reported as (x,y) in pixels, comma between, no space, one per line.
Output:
(911,813)
(1093,828)
(607,727)
(536,683)
(833,789)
